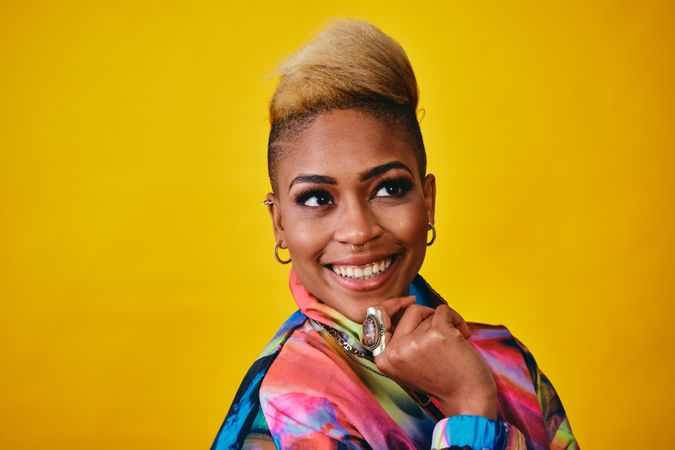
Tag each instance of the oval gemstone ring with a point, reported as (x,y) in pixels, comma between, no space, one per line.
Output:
(375,325)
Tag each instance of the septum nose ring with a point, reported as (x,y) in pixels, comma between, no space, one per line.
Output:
(359,248)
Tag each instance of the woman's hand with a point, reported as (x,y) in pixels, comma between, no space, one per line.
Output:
(428,352)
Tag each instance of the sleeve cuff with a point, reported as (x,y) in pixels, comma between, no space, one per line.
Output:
(474,432)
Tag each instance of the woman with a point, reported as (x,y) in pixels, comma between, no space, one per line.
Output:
(354,206)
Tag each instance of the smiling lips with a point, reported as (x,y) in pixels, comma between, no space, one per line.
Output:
(363,272)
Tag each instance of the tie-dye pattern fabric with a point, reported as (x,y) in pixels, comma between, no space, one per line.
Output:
(304,392)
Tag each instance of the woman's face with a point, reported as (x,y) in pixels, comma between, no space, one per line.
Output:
(346,181)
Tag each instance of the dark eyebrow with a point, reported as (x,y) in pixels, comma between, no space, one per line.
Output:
(319,179)
(368,174)
(379,170)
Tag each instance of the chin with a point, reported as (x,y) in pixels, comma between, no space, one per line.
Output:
(355,288)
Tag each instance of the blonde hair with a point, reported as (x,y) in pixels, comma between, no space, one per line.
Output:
(350,64)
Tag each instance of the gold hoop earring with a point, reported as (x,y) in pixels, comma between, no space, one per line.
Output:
(276,254)
(433,233)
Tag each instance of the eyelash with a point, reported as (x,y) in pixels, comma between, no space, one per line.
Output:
(402,184)
(302,197)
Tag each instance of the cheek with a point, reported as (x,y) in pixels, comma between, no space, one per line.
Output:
(409,225)
(304,239)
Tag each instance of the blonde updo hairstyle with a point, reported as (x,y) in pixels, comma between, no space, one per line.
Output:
(349,65)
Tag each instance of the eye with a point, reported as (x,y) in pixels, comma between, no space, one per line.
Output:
(314,199)
(393,188)
(317,200)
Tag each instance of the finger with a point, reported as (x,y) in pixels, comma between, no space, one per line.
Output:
(445,316)
(411,319)
(392,306)
(456,320)
(386,340)
(459,323)
(463,327)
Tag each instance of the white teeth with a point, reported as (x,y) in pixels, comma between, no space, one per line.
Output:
(363,272)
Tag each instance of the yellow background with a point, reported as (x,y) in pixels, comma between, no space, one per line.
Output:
(136,275)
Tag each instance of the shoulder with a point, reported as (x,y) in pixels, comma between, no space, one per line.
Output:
(492,337)
(496,339)
(306,363)
(502,350)
(244,414)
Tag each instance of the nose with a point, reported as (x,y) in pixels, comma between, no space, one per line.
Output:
(356,223)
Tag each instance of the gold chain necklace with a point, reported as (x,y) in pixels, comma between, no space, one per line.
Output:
(352,352)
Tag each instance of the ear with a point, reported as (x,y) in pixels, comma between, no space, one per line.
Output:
(430,197)
(274,210)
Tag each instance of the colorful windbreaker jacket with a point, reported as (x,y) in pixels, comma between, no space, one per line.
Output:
(305,392)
